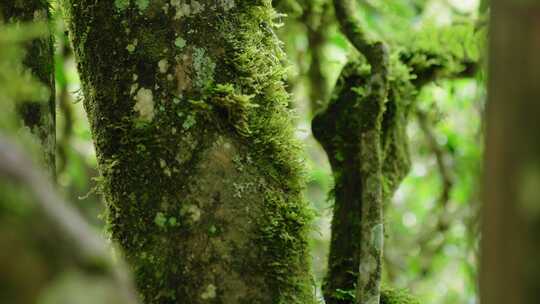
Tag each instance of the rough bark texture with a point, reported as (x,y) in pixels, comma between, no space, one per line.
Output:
(510,268)
(340,129)
(350,130)
(368,154)
(200,171)
(38,115)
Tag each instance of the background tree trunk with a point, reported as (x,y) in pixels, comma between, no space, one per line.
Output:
(200,171)
(510,269)
(38,115)
(50,254)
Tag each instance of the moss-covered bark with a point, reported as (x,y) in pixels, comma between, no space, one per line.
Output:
(200,171)
(351,132)
(39,114)
(367,148)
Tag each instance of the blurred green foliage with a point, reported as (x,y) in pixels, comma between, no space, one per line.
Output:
(16,82)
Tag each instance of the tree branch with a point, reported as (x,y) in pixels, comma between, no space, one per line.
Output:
(375,52)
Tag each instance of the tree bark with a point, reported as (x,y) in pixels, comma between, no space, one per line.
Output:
(200,171)
(510,269)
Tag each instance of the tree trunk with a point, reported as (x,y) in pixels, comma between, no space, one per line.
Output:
(510,269)
(200,171)
(343,129)
(50,255)
(38,115)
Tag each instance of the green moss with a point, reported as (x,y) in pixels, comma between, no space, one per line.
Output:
(142,4)
(395,296)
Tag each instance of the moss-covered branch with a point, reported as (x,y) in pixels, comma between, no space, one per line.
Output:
(350,130)
(375,52)
(363,131)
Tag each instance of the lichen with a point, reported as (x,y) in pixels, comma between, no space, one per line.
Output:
(145,104)
(184,9)
(203,68)
(209,293)
(227,4)
(193,212)
(180,43)
(163,66)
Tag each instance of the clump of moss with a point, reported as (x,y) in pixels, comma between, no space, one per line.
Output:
(397,296)
(235,105)
(258,103)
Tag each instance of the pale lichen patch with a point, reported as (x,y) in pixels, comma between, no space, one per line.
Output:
(163,66)
(162,163)
(209,293)
(204,68)
(184,9)
(227,4)
(193,212)
(145,104)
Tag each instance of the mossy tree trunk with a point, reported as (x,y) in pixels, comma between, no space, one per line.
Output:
(200,172)
(38,115)
(510,269)
(367,169)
